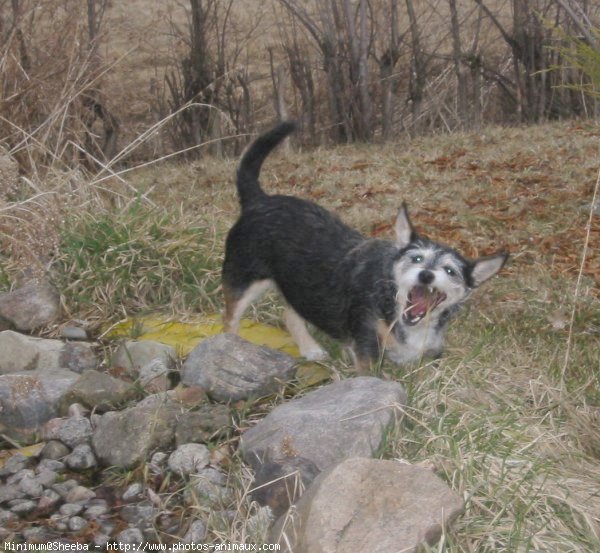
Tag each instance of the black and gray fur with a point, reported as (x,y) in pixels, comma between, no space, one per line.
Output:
(392,298)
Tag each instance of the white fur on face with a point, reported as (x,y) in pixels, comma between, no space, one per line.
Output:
(448,277)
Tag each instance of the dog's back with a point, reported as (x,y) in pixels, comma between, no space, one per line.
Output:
(293,242)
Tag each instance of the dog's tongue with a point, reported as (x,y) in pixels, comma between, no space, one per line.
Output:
(421,300)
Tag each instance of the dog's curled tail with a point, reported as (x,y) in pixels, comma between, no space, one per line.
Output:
(248,171)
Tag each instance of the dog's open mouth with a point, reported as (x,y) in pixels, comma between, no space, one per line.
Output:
(421,300)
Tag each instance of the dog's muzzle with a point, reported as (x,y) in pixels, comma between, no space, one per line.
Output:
(421,301)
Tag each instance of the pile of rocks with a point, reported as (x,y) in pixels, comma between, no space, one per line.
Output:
(317,475)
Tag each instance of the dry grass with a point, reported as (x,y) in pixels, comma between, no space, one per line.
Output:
(500,417)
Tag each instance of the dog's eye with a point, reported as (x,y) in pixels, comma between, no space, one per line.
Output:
(416,258)
(450,271)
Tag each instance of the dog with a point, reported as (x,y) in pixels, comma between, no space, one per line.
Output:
(392,299)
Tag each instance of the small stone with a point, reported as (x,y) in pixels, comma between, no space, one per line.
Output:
(70,509)
(280,483)
(131,536)
(196,533)
(58,522)
(51,465)
(63,488)
(79,493)
(97,390)
(48,501)
(76,524)
(139,514)
(134,355)
(154,375)
(188,458)
(73,333)
(10,492)
(36,534)
(46,477)
(54,450)
(14,464)
(22,507)
(71,431)
(81,458)
(134,491)
(31,487)
(6,517)
(18,476)
(207,423)
(96,511)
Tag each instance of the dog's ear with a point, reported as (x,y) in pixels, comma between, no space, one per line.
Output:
(404,229)
(486,267)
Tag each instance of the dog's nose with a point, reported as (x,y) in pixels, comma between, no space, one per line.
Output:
(426,277)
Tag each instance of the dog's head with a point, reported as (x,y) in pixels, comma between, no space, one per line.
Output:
(433,279)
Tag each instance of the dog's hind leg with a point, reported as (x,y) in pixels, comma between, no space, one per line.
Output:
(308,346)
(237,301)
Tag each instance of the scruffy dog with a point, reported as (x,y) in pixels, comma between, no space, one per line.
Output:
(385,298)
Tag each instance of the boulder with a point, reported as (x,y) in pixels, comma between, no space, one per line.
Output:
(35,304)
(369,505)
(340,420)
(230,368)
(29,399)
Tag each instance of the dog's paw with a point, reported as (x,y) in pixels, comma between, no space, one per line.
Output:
(314,354)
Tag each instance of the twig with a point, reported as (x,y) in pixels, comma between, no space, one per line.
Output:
(578,283)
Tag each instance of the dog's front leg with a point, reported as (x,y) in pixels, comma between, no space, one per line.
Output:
(308,346)
(366,350)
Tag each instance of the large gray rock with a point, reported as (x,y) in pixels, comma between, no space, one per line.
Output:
(35,304)
(134,355)
(29,399)
(26,353)
(98,391)
(341,420)
(368,505)
(230,368)
(125,438)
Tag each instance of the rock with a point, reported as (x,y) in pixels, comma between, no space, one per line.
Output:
(73,333)
(63,488)
(134,491)
(71,431)
(50,464)
(22,507)
(97,509)
(70,509)
(77,524)
(54,450)
(154,376)
(130,536)
(134,355)
(18,476)
(26,353)
(188,458)
(125,438)
(231,368)
(98,391)
(10,492)
(35,304)
(81,458)
(369,505)
(196,533)
(341,420)
(79,493)
(29,399)
(208,422)
(139,514)
(31,486)
(48,501)
(14,464)
(280,483)
(46,477)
